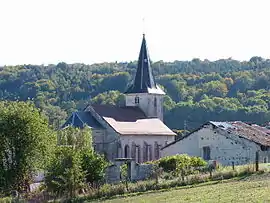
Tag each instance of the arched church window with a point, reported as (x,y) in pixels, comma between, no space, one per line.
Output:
(145,152)
(119,150)
(157,150)
(150,157)
(138,153)
(133,150)
(137,100)
(155,102)
(126,152)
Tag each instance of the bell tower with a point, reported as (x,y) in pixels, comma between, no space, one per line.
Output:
(144,92)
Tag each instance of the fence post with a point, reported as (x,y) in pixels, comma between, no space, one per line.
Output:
(257,161)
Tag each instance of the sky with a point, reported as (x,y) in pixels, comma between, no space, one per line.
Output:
(95,31)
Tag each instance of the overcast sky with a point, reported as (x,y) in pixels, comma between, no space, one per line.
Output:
(88,31)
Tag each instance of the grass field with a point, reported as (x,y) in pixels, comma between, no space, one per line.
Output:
(253,189)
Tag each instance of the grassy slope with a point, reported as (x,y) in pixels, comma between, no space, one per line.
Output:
(254,189)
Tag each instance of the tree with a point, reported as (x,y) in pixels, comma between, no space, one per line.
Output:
(93,165)
(75,163)
(26,144)
(124,174)
(65,176)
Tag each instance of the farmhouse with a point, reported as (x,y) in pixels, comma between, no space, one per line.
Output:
(226,142)
(135,130)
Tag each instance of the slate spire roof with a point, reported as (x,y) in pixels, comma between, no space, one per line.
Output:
(144,81)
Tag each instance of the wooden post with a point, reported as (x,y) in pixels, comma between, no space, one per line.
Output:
(233,165)
(257,161)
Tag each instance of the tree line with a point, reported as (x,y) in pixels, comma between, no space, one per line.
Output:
(197,91)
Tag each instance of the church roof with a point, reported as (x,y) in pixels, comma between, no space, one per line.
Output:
(131,121)
(80,119)
(144,81)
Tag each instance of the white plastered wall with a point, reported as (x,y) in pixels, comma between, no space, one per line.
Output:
(225,147)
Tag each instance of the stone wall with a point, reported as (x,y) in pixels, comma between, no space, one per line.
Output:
(150,104)
(144,171)
(137,172)
(110,137)
(113,174)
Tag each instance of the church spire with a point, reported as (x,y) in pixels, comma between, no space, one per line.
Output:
(144,81)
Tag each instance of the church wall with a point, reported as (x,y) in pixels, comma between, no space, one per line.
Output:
(147,104)
(140,140)
(98,136)
(110,137)
(224,147)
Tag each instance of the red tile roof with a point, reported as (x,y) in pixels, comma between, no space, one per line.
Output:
(253,133)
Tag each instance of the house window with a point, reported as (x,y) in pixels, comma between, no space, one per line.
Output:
(137,100)
(126,152)
(206,153)
(264,148)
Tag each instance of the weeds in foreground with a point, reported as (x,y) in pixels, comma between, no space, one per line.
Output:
(166,181)
(108,191)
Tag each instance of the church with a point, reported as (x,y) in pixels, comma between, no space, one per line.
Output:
(135,130)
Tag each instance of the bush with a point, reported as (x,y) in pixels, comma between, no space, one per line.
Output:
(74,163)
(168,163)
(181,164)
(94,165)
(6,200)
(65,175)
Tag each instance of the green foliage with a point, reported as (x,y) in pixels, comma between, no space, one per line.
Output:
(256,189)
(124,174)
(180,164)
(107,191)
(75,163)
(65,175)
(94,166)
(26,144)
(197,91)
(75,137)
(124,171)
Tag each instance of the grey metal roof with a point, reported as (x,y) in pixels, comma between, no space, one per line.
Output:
(223,125)
(144,81)
(80,119)
(131,121)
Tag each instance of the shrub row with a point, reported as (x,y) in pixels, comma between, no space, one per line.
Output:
(107,191)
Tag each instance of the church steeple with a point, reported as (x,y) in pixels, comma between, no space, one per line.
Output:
(144,81)
(144,92)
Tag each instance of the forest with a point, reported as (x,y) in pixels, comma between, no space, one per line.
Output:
(196,91)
